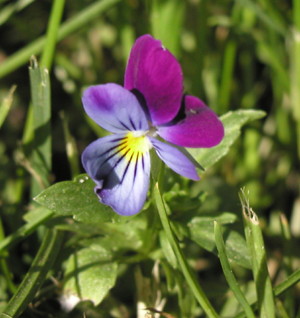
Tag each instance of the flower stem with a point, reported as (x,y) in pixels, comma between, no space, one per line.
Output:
(186,270)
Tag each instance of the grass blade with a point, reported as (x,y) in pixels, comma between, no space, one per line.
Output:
(228,272)
(295,69)
(12,8)
(227,76)
(52,30)
(36,275)
(83,18)
(280,288)
(164,14)
(254,238)
(40,94)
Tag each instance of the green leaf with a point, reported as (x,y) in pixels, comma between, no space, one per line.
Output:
(233,122)
(135,234)
(77,198)
(90,274)
(202,232)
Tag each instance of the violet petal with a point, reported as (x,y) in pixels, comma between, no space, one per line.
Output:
(200,128)
(154,72)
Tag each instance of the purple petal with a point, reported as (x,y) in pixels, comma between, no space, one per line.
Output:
(120,172)
(155,73)
(200,128)
(175,159)
(114,108)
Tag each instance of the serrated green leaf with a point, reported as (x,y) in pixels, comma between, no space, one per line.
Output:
(202,232)
(233,122)
(134,235)
(90,274)
(77,198)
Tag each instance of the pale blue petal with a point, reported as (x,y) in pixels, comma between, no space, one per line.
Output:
(122,181)
(175,159)
(114,108)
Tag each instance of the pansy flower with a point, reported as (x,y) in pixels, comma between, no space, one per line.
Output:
(151,106)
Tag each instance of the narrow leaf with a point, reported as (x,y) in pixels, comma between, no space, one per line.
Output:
(36,275)
(231,280)
(254,238)
(41,102)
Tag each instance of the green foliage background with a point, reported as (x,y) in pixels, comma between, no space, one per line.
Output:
(239,57)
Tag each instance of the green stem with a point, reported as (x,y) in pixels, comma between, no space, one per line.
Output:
(67,28)
(186,270)
(36,275)
(52,30)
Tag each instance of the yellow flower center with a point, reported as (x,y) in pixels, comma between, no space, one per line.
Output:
(134,145)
